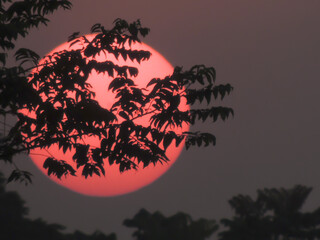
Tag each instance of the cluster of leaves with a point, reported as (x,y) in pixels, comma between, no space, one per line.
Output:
(274,214)
(19,175)
(65,112)
(17,18)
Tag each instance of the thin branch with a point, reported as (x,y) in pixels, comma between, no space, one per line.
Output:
(141,115)
(49,153)
(38,154)
(4,125)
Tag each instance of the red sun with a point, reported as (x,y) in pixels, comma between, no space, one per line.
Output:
(115,183)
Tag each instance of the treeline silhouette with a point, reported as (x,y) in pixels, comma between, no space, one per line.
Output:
(275,214)
(15,225)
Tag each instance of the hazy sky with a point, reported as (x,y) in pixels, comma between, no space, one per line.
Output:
(269,50)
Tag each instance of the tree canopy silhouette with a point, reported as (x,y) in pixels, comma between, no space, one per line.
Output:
(274,214)
(179,226)
(15,224)
(65,110)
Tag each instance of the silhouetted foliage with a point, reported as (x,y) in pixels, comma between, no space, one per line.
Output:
(66,112)
(275,214)
(178,227)
(17,18)
(14,224)
(77,235)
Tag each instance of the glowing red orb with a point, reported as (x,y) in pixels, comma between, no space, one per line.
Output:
(116,183)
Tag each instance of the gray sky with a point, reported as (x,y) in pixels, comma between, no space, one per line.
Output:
(269,50)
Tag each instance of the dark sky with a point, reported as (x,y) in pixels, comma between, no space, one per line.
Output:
(269,50)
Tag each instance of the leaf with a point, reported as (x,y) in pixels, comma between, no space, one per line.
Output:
(144,31)
(25,55)
(58,168)
(100,166)
(133,71)
(120,82)
(207,95)
(167,140)
(81,155)
(14,176)
(96,28)
(153,81)
(3,57)
(179,140)
(73,36)
(74,42)
(157,136)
